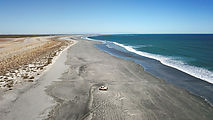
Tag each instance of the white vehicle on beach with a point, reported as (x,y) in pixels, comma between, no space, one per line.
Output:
(104,88)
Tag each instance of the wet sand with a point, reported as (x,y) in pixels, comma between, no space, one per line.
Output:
(69,91)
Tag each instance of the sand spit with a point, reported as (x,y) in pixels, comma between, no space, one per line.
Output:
(23,59)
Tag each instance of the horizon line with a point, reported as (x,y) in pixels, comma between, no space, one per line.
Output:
(88,33)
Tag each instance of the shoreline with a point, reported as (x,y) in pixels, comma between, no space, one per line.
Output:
(151,56)
(146,63)
(159,58)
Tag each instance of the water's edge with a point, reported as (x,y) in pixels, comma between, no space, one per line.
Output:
(157,69)
(192,55)
(193,85)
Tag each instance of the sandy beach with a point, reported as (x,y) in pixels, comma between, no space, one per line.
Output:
(68,88)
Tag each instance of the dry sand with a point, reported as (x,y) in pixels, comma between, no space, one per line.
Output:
(25,58)
(29,100)
(69,91)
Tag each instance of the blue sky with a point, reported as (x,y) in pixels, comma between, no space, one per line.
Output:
(106,16)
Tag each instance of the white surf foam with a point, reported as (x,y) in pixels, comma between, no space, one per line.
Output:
(86,38)
(198,72)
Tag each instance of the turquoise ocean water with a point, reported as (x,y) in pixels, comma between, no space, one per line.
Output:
(190,53)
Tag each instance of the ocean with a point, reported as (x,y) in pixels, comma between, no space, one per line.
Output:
(185,60)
